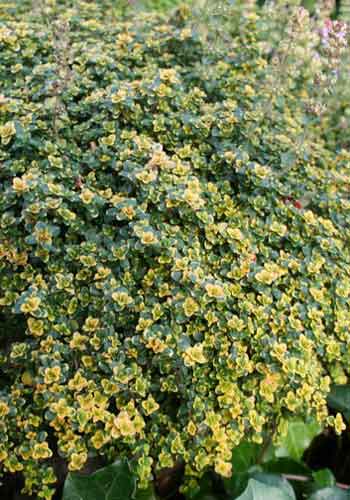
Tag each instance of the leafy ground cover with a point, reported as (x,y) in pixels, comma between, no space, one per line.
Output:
(174,251)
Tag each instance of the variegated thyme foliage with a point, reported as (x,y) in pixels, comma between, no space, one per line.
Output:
(174,239)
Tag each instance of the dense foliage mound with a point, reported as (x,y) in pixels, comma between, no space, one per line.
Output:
(174,244)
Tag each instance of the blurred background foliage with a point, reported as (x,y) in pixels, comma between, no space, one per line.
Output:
(338,8)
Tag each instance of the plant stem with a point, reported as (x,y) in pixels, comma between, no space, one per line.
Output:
(294,477)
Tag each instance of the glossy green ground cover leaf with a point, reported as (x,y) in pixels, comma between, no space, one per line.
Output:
(324,478)
(275,480)
(286,465)
(330,494)
(245,456)
(298,438)
(237,484)
(207,496)
(257,490)
(114,482)
(245,463)
(148,494)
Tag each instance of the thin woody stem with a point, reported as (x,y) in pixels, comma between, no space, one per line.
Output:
(295,477)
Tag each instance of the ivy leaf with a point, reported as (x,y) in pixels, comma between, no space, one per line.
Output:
(257,490)
(276,481)
(114,482)
(299,437)
(207,497)
(324,478)
(145,494)
(205,489)
(236,485)
(286,465)
(245,456)
(339,399)
(331,494)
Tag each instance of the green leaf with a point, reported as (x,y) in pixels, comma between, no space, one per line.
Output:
(330,494)
(309,4)
(114,482)
(299,437)
(339,399)
(245,456)
(205,489)
(207,497)
(288,159)
(286,465)
(324,478)
(275,480)
(145,495)
(237,484)
(257,490)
